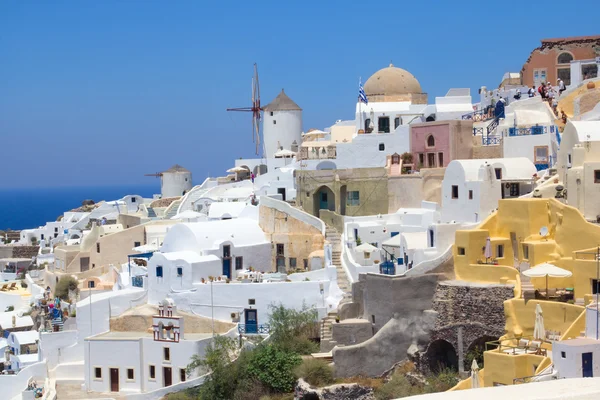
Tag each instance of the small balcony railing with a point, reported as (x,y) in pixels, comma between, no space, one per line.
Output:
(491,140)
(253,329)
(532,130)
(479,115)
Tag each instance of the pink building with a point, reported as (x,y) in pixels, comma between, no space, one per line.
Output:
(435,144)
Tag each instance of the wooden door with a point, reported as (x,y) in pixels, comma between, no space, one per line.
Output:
(167,376)
(114,379)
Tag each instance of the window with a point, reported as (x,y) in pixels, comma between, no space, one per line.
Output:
(564,58)
(130,375)
(136,244)
(239,263)
(381,146)
(431,160)
(368,125)
(353,198)
(430,141)
(271,113)
(563,354)
(98,373)
(383,123)
(396,122)
(274,122)
(166,354)
(292,262)
(498,172)
(565,75)
(91,284)
(595,286)
(455,191)
(133,199)
(280,249)
(152,372)
(525,252)
(55,229)
(181,375)
(179,271)
(226,251)
(305,263)
(460,251)
(421,158)
(159,272)
(541,154)
(440,159)
(589,71)
(500,251)
(539,76)
(97,247)
(569,159)
(514,189)
(597,176)
(470,195)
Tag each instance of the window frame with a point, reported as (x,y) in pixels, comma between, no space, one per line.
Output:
(381,146)
(151,372)
(379,124)
(293,262)
(179,272)
(396,123)
(440,159)
(500,251)
(132,379)
(353,198)
(241,263)
(182,375)
(159,268)
(597,176)
(498,173)
(96,370)
(454,192)
(470,194)
(461,251)
(278,247)
(98,247)
(137,244)
(563,52)
(166,354)
(430,143)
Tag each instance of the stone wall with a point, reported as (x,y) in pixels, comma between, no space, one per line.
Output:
(25,251)
(467,312)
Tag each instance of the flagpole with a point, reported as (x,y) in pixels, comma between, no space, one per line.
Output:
(359,105)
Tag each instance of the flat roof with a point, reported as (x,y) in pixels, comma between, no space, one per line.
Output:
(114,335)
(578,342)
(26,337)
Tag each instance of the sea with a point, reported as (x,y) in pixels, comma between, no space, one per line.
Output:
(24,208)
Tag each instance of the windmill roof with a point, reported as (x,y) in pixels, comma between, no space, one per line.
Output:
(177,168)
(282,102)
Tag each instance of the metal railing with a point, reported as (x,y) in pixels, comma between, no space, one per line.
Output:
(532,130)
(479,115)
(137,281)
(248,329)
(491,140)
(477,131)
(492,126)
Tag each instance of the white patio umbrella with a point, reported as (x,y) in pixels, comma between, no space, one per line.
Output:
(188,214)
(475,375)
(284,153)
(237,169)
(366,248)
(538,330)
(547,270)
(488,249)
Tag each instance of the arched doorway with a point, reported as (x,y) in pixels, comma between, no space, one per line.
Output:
(441,355)
(323,199)
(476,350)
(260,169)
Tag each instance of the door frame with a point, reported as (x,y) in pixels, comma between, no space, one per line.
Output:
(246,310)
(226,260)
(165,375)
(110,379)
(590,368)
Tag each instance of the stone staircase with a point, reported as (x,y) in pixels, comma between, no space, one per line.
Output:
(333,237)
(172,210)
(151,212)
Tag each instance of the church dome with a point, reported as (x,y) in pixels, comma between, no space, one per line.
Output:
(392,81)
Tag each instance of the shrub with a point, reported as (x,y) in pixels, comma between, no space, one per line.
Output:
(9,308)
(274,367)
(398,386)
(63,286)
(315,372)
(291,329)
(442,381)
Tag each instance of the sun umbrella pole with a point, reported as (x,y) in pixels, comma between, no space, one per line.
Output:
(546,286)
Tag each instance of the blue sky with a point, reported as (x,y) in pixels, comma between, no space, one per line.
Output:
(102,92)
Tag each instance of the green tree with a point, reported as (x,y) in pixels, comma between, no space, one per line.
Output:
(292,329)
(63,286)
(274,367)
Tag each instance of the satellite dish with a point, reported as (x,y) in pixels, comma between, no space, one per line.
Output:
(544,232)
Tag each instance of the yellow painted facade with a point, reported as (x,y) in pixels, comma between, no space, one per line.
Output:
(514,232)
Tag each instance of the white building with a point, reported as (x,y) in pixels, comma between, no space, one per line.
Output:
(471,188)
(282,126)
(176,181)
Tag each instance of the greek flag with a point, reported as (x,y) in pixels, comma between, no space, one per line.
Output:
(361,93)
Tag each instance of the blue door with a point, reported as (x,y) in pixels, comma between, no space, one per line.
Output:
(587,365)
(227,267)
(251,321)
(323,203)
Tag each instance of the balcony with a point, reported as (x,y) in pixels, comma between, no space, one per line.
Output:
(253,329)
(479,115)
(532,130)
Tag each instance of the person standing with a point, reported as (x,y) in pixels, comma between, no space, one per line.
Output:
(531,91)
(252,177)
(561,87)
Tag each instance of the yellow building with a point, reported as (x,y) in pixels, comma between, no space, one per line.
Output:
(518,242)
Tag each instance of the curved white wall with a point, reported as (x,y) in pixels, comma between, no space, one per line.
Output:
(286,129)
(173,184)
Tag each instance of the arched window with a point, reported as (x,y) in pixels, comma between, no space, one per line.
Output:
(395,158)
(430,141)
(564,58)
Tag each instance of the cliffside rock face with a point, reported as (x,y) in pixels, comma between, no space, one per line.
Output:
(335,392)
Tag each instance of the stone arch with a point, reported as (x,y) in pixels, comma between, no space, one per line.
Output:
(323,199)
(476,349)
(430,141)
(441,355)
(326,165)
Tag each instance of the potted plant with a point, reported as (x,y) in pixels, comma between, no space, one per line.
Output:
(337,319)
(202,280)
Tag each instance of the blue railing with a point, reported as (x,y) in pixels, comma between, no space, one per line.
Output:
(479,115)
(137,281)
(492,126)
(532,130)
(262,329)
(541,167)
(477,131)
(491,140)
